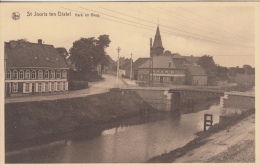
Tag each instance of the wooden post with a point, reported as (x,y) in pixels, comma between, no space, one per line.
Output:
(207,122)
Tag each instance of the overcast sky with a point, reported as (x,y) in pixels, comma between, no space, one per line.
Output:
(225,31)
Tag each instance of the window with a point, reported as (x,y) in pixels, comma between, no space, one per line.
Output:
(27,74)
(162,71)
(46,74)
(58,86)
(21,74)
(64,74)
(52,86)
(33,74)
(172,71)
(15,74)
(58,74)
(52,74)
(39,87)
(8,74)
(27,87)
(166,71)
(39,74)
(15,87)
(170,64)
(46,86)
(64,85)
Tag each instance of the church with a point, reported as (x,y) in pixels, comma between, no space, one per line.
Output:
(170,68)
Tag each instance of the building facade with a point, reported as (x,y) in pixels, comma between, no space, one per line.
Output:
(34,68)
(170,68)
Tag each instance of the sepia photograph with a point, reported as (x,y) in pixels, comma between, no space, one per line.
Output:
(129,82)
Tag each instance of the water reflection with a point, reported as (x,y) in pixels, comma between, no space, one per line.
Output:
(131,140)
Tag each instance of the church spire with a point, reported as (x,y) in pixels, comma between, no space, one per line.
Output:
(157,44)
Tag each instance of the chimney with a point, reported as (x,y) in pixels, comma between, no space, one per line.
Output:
(151,41)
(191,55)
(39,41)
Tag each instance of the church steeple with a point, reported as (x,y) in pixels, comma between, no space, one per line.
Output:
(157,44)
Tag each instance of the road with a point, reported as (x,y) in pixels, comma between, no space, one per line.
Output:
(94,88)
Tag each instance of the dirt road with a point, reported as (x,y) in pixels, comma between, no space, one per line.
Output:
(94,88)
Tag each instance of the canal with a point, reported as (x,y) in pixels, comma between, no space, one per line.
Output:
(130,140)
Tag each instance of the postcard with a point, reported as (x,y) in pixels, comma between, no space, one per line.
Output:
(129,82)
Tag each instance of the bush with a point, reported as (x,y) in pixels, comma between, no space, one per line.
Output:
(77,85)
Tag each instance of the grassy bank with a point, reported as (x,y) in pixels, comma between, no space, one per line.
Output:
(200,140)
(26,121)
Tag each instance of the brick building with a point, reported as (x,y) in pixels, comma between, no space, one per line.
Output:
(34,68)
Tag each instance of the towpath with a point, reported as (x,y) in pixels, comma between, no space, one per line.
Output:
(235,145)
(94,88)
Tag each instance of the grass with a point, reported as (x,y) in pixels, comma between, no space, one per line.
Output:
(200,140)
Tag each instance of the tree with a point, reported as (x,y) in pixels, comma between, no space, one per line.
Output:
(207,63)
(248,69)
(87,53)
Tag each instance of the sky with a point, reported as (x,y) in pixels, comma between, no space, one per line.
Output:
(225,31)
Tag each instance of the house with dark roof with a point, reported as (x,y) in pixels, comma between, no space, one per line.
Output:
(195,75)
(124,69)
(34,68)
(136,65)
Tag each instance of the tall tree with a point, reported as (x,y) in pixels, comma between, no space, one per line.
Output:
(207,62)
(87,53)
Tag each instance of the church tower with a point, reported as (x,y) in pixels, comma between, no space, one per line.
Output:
(157,44)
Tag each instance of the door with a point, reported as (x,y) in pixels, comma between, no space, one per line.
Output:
(7,90)
(33,84)
(161,79)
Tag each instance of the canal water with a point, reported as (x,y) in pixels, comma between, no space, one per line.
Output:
(130,140)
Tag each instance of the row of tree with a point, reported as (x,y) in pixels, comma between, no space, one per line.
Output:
(215,71)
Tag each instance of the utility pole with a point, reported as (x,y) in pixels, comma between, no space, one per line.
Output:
(149,77)
(131,68)
(117,73)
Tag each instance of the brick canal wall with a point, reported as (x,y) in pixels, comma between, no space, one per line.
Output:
(236,103)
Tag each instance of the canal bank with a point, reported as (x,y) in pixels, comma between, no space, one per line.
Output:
(132,139)
(232,140)
(29,120)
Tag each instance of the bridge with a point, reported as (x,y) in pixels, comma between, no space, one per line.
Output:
(173,98)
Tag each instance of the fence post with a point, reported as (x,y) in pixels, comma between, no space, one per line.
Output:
(207,122)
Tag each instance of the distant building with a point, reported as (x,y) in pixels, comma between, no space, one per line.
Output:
(34,68)
(170,68)
(136,65)
(111,65)
(165,70)
(195,75)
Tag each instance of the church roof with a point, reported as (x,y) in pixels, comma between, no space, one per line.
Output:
(157,40)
